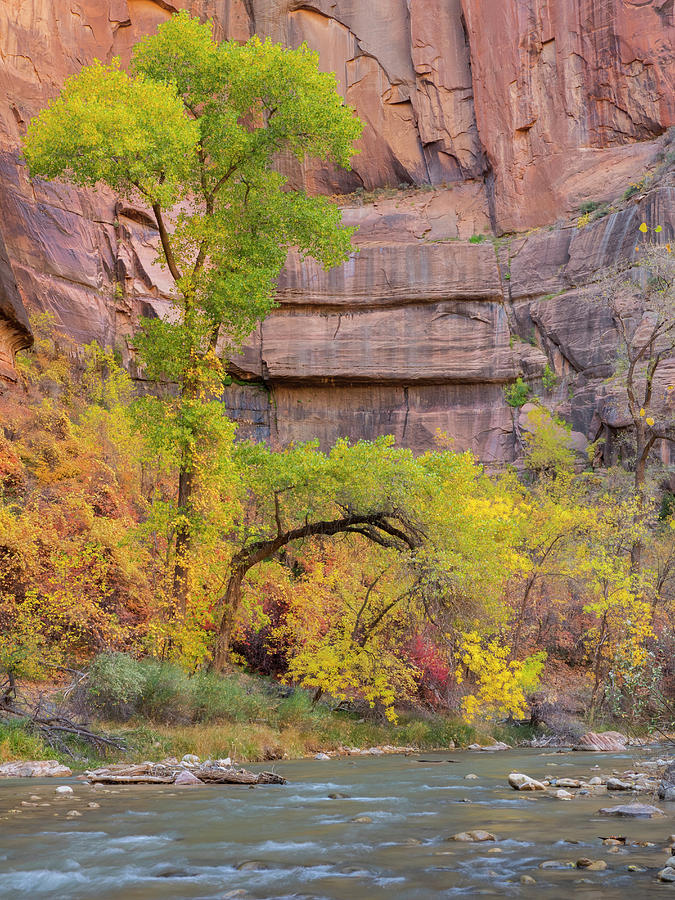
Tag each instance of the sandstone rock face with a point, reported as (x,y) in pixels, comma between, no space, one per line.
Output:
(15,331)
(567,97)
(496,115)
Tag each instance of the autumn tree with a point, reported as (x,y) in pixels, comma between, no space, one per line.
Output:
(641,295)
(192,133)
(437,512)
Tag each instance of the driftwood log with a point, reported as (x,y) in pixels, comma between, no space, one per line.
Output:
(167,772)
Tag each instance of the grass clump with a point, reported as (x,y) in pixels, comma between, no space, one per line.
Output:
(17,741)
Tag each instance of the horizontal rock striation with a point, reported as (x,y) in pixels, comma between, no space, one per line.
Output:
(483,117)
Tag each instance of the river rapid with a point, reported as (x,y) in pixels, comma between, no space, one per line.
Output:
(296,841)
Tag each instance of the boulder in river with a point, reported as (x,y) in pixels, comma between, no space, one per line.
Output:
(46,768)
(477,836)
(64,789)
(667,874)
(606,742)
(563,795)
(666,789)
(632,811)
(520,782)
(616,784)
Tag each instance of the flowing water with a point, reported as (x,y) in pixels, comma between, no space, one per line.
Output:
(294,841)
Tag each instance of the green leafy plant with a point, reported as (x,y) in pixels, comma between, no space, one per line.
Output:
(516,394)
(549,378)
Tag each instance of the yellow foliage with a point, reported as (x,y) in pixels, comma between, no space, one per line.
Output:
(500,684)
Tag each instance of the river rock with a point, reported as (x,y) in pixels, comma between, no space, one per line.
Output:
(616,784)
(73,814)
(567,783)
(606,742)
(46,768)
(63,789)
(666,789)
(470,777)
(477,836)
(362,820)
(667,874)
(520,782)
(186,777)
(190,760)
(670,862)
(595,781)
(322,756)
(632,811)
(527,879)
(563,795)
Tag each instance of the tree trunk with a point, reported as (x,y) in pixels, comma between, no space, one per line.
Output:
(183,537)
(231,603)
(640,476)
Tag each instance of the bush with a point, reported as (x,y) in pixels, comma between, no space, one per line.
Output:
(167,693)
(477,238)
(298,709)
(216,697)
(120,687)
(549,378)
(116,682)
(590,206)
(516,394)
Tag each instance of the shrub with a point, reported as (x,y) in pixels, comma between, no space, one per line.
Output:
(298,709)
(516,394)
(166,695)
(477,238)
(589,206)
(116,682)
(549,379)
(216,697)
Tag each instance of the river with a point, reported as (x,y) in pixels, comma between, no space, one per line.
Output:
(295,841)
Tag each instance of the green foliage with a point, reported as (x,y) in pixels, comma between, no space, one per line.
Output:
(477,238)
(516,394)
(549,379)
(217,697)
(18,741)
(590,206)
(548,448)
(115,684)
(120,687)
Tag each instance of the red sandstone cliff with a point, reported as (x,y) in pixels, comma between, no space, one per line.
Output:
(506,113)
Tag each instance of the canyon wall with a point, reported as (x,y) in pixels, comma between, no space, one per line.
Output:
(483,117)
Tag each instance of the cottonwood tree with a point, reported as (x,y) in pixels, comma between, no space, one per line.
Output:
(437,513)
(192,132)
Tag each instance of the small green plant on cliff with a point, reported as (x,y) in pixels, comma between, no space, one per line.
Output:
(516,394)
(549,378)
(477,238)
